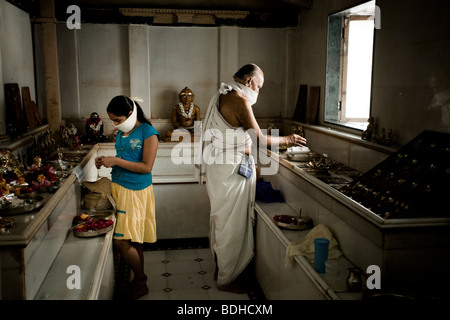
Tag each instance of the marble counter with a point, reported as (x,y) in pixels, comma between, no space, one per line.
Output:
(331,286)
(404,249)
(302,170)
(42,240)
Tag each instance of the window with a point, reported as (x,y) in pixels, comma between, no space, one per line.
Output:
(349,66)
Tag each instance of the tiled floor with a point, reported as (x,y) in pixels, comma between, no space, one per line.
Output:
(185,274)
(181,269)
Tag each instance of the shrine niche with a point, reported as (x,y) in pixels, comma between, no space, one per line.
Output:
(94,129)
(184,116)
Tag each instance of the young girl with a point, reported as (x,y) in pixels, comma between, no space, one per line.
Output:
(132,189)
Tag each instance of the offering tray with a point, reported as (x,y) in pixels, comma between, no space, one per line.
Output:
(21,204)
(61,165)
(91,233)
(97,223)
(298,153)
(92,215)
(292,222)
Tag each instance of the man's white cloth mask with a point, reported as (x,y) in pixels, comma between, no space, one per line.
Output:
(250,95)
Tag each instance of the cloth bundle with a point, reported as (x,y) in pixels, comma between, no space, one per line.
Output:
(305,246)
(98,194)
(266,193)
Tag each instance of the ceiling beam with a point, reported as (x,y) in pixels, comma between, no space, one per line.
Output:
(190,16)
(304,4)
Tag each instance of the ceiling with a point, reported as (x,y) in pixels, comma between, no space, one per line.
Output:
(259,13)
(196,4)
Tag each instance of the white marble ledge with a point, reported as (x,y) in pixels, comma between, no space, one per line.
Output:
(90,255)
(333,284)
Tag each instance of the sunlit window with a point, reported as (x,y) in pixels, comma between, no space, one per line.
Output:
(357,77)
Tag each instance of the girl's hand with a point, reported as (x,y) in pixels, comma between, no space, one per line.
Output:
(108,162)
(99,162)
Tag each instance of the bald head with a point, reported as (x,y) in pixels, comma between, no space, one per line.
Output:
(249,70)
(251,76)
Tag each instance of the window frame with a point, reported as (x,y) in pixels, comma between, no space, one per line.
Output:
(334,114)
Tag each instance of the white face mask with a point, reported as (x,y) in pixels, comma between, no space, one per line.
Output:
(252,96)
(129,123)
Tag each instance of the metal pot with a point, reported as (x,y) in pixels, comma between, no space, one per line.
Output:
(354,279)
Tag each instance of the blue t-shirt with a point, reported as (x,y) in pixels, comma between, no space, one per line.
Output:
(131,148)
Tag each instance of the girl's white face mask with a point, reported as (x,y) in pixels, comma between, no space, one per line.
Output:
(129,123)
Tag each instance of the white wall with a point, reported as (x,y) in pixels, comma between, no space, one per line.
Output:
(94,67)
(100,61)
(16,53)
(411,65)
(412,44)
(267,48)
(181,57)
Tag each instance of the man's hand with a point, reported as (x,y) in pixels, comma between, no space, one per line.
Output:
(296,140)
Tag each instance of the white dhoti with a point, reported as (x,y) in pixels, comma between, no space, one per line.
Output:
(231,195)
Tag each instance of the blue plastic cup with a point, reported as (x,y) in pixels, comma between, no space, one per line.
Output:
(320,254)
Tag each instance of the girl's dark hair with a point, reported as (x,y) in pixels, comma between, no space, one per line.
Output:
(250,69)
(122,105)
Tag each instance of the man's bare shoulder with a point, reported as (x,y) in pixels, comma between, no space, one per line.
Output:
(236,110)
(233,101)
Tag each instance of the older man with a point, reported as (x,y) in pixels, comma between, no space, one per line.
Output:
(230,172)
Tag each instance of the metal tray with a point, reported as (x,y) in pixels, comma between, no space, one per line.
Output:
(96,215)
(38,201)
(301,157)
(302,224)
(91,233)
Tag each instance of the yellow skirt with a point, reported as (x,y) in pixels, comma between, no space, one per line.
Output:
(135,214)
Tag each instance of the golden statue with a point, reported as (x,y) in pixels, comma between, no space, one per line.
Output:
(184,114)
